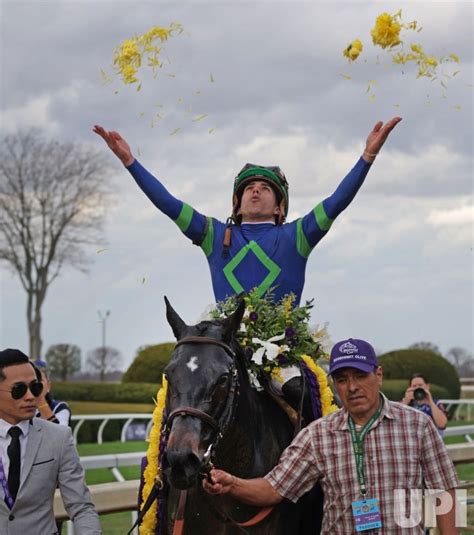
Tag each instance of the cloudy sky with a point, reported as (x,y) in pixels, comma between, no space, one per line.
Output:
(396,267)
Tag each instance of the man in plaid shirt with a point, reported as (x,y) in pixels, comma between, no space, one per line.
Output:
(361,455)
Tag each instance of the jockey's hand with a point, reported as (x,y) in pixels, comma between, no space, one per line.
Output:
(377,137)
(116,144)
(221,482)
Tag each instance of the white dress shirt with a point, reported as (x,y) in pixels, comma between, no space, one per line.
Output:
(5,440)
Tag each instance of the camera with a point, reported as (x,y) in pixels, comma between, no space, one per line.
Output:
(419,394)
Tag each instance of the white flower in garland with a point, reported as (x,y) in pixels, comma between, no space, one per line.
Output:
(268,349)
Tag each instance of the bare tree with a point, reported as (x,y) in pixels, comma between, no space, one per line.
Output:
(462,360)
(104,359)
(63,360)
(51,205)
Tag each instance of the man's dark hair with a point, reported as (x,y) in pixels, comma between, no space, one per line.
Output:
(11,357)
(418,376)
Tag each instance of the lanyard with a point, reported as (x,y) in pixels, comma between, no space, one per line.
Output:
(6,490)
(358,445)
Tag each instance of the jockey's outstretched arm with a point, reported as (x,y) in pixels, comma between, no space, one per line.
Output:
(192,223)
(316,223)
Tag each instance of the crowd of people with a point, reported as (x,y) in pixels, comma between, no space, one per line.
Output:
(358,454)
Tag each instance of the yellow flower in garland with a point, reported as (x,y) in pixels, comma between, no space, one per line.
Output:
(353,50)
(152,470)
(386,32)
(129,55)
(325,392)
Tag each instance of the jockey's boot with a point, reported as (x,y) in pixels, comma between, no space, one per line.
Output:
(292,394)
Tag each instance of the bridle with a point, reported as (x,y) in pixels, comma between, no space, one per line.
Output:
(219,427)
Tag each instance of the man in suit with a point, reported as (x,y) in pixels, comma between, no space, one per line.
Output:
(36,456)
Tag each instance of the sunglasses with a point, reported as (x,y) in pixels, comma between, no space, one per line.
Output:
(20,389)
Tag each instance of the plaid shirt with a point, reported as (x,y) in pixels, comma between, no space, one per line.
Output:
(402,450)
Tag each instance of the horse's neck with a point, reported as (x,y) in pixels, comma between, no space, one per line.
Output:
(258,433)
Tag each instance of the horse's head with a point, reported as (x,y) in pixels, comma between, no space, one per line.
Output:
(202,383)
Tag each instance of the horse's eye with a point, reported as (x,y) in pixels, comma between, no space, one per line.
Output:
(222,380)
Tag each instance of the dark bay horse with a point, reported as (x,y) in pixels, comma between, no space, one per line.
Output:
(211,405)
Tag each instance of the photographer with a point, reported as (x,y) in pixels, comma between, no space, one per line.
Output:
(418,396)
(49,408)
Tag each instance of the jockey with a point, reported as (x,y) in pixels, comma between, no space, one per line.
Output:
(255,248)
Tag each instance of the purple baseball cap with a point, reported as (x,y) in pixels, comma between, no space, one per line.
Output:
(353,353)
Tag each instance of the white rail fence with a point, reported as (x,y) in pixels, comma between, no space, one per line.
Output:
(131,418)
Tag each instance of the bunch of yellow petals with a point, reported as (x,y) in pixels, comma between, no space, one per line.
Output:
(427,65)
(386,32)
(353,50)
(325,392)
(128,56)
(148,526)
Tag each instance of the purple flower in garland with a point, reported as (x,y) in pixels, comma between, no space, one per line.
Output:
(289,332)
(253,316)
(282,360)
(248,353)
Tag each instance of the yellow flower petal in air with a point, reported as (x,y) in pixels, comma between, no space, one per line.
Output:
(455,58)
(371,98)
(200,117)
(386,32)
(371,83)
(352,51)
(175,131)
(211,78)
(346,76)
(457,107)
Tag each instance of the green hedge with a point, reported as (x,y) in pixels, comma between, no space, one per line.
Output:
(110,392)
(394,389)
(403,363)
(149,364)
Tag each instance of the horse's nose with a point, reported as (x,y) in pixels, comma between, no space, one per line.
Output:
(181,466)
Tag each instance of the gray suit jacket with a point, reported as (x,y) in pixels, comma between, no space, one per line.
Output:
(51,460)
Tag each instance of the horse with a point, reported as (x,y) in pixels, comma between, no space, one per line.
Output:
(212,408)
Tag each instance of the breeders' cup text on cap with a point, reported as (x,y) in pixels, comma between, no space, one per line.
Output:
(353,353)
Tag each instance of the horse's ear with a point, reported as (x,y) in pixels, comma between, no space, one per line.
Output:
(232,323)
(176,323)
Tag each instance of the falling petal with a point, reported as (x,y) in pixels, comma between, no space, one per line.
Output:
(179,100)
(455,58)
(143,280)
(212,129)
(457,107)
(346,76)
(211,78)
(175,131)
(141,114)
(101,250)
(455,72)
(116,92)
(371,83)
(200,117)
(139,87)
(443,84)
(106,79)
(371,98)
(396,105)
(170,75)
(197,92)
